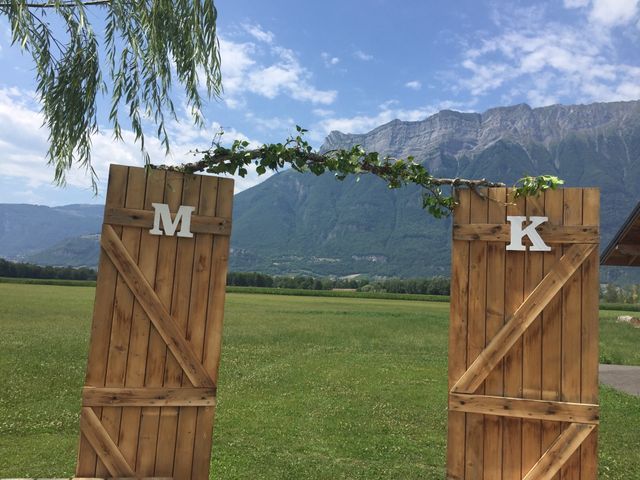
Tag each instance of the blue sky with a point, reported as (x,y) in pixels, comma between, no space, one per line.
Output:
(351,66)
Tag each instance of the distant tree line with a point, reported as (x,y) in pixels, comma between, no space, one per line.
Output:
(612,293)
(28,270)
(429,286)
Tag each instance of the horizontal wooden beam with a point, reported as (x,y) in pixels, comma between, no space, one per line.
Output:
(501,232)
(130,217)
(525,408)
(522,318)
(148,397)
(559,452)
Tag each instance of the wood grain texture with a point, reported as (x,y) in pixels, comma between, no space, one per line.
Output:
(590,336)
(476,328)
(523,312)
(524,316)
(195,327)
(571,328)
(102,315)
(157,351)
(560,452)
(494,383)
(551,326)
(123,308)
(514,295)
(103,444)
(551,233)
(159,312)
(131,217)
(532,347)
(458,318)
(140,327)
(182,287)
(525,408)
(213,328)
(148,397)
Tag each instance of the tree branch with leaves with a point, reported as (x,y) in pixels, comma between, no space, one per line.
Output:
(299,155)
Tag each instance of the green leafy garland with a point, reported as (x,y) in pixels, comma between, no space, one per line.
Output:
(297,153)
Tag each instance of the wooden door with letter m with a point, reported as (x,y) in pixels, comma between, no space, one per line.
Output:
(523,345)
(149,396)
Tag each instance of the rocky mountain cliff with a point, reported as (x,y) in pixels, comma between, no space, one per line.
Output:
(294,223)
(301,223)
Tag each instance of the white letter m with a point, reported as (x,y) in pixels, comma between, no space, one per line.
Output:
(163,216)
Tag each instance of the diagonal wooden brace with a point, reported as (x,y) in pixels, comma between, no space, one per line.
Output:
(157,312)
(103,445)
(522,318)
(559,452)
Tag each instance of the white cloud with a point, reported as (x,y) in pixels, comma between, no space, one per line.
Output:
(24,147)
(613,12)
(576,3)
(414,85)
(329,61)
(360,55)
(322,112)
(548,62)
(245,70)
(259,34)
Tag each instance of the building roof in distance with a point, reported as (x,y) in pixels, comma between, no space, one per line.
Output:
(624,249)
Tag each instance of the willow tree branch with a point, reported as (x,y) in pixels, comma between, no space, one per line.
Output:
(59,4)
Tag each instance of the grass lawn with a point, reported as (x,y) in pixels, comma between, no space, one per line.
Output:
(310,387)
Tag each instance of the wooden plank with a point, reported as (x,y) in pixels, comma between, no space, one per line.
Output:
(102,314)
(559,453)
(532,348)
(514,295)
(590,336)
(551,326)
(182,287)
(518,323)
(148,397)
(213,333)
(156,311)
(140,325)
(525,408)
(103,444)
(195,327)
(131,217)
(123,307)
(571,328)
(476,333)
(458,336)
(156,354)
(551,233)
(494,384)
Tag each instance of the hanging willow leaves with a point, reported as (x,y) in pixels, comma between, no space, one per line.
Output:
(146,44)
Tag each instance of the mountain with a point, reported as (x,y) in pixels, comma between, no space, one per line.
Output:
(293,223)
(28,229)
(306,224)
(81,251)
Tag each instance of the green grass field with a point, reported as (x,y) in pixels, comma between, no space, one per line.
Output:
(310,387)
